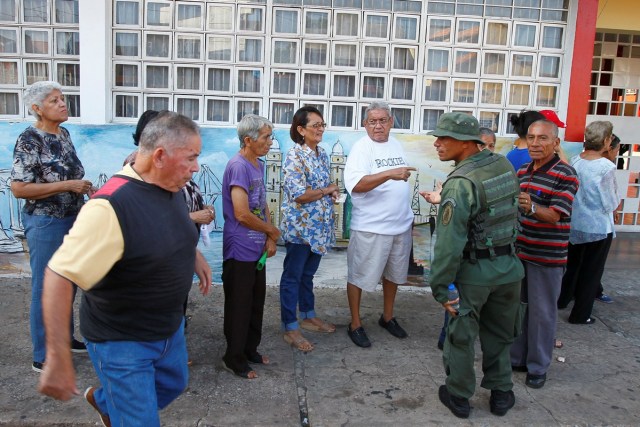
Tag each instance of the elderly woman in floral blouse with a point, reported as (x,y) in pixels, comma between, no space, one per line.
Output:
(306,225)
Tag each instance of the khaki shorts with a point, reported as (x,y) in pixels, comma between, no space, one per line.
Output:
(371,256)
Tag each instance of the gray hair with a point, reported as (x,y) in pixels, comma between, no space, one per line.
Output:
(554,127)
(488,132)
(595,134)
(37,93)
(168,130)
(250,126)
(377,105)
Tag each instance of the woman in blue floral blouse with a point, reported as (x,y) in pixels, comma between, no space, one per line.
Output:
(306,225)
(48,174)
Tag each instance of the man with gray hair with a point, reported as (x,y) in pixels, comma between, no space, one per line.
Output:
(376,177)
(132,250)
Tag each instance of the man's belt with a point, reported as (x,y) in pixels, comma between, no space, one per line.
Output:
(485,253)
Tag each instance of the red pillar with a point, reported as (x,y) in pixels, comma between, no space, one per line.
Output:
(581,70)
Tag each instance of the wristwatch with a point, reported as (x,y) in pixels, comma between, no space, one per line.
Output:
(533,209)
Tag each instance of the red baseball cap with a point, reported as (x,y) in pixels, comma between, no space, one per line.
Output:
(553,117)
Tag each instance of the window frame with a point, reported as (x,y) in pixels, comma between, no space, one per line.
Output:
(231,102)
(447,92)
(507,63)
(395,24)
(365,68)
(231,6)
(117,119)
(231,79)
(490,110)
(57,31)
(200,98)
(239,30)
(203,16)
(113,76)
(537,86)
(237,50)
(238,99)
(307,11)
(430,42)
(365,26)
(479,58)
(176,89)
(22,109)
(476,84)
(230,37)
(194,36)
(54,72)
(274,32)
(416,61)
(114,8)
(412,123)
(327,84)
(272,101)
(358,26)
(31,24)
(145,35)
(334,44)
(562,40)
(16,19)
(514,26)
(501,101)
(448,71)
(354,115)
(487,25)
(236,80)
(159,27)
(19,74)
(114,45)
(385,89)
(167,95)
(534,66)
(356,92)
(539,66)
(297,62)
(458,43)
(17,31)
(303,54)
(296,86)
(413,92)
(23,45)
(423,109)
(169,87)
(511,83)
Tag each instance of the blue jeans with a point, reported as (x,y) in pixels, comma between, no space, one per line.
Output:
(296,284)
(139,378)
(44,236)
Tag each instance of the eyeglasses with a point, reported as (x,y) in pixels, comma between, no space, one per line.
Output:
(318,125)
(373,123)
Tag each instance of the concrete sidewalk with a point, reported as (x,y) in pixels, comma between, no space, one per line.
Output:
(395,382)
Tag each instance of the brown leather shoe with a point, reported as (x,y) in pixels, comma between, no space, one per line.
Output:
(88,395)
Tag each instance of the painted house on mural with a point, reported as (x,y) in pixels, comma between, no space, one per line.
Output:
(216,61)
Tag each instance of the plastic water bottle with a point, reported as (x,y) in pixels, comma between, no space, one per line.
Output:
(453,295)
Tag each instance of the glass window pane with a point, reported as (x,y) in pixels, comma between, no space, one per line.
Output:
(441,8)
(126,75)
(345,55)
(402,88)
(67,11)
(464,91)
(525,35)
(68,43)
(188,78)
(498,12)
(342,115)
(284,83)
(36,42)
(251,18)
(519,94)
(489,119)
(347,24)
(438,60)
(406,28)
(401,118)
(314,84)
(404,58)
(8,41)
(219,79)
(491,93)
(317,23)
(249,81)
(188,107)
(319,107)
(282,112)
(284,51)
(157,103)
(220,18)
(159,14)
(430,119)
(8,13)
(218,110)
(126,106)
(377,26)
(440,30)
(549,66)
(127,13)
(494,63)
(375,56)
(157,45)
(249,50)
(189,47)
(35,11)
(466,62)
(497,33)
(546,96)
(469,9)
(189,16)
(219,48)
(372,87)
(522,65)
(73,105)
(247,107)
(468,32)
(126,44)
(9,104)
(157,77)
(315,53)
(36,72)
(552,37)
(435,90)
(285,21)
(68,74)
(9,73)
(344,86)
(524,13)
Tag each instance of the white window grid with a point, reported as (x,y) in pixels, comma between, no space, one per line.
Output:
(440,67)
(405,95)
(35,70)
(437,32)
(525,27)
(281,111)
(36,45)
(433,83)
(370,88)
(396,28)
(461,57)
(58,34)
(334,56)
(351,79)
(241,104)
(256,73)
(403,118)
(295,54)
(251,60)
(380,63)
(504,35)
(246,26)
(47,14)
(354,15)
(6,73)
(460,93)
(59,65)
(487,69)
(307,93)
(215,10)
(541,58)
(377,26)
(342,115)
(309,56)
(543,92)
(312,14)
(21,111)
(165,15)
(468,32)
(195,54)
(491,119)
(182,78)
(156,87)
(150,97)
(127,106)
(279,14)
(189,105)
(515,62)
(514,88)
(397,50)
(214,38)
(216,119)
(487,98)
(16,16)
(122,54)
(18,41)
(115,19)
(432,113)
(209,88)
(148,37)
(195,23)
(119,83)
(286,75)
(545,28)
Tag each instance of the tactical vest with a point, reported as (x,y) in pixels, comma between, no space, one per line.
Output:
(498,188)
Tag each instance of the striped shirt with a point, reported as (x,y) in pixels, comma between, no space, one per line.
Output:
(553,186)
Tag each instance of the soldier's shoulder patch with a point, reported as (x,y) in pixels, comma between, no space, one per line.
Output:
(447,206)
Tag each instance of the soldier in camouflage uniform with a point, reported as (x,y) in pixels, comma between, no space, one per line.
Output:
(476,232)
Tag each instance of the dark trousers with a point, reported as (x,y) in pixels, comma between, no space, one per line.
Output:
(244,293)
(581,281)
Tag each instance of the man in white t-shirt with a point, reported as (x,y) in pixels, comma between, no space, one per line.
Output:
(376,177)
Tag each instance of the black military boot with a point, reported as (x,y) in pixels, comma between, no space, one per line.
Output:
(501,401)
(459,406)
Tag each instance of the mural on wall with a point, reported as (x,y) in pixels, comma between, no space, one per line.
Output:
(102,150)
